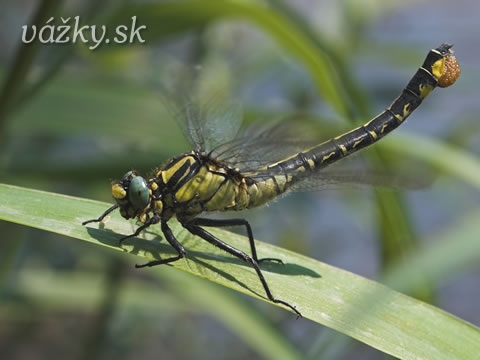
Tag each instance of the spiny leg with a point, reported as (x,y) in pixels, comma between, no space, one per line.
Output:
(197,230)
(172,241)
(108,211)
(153,220)
(234,222)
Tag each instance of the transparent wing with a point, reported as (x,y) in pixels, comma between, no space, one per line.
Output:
(261,144)
(200,102)
(327,179)
(371,178)
(201,107)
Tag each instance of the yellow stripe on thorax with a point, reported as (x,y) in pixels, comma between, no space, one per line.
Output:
(202,186)
(168,173)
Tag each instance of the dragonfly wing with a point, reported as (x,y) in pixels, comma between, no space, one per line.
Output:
(349,174)
(260,144)
(201,108)
(186,115)
(369,178)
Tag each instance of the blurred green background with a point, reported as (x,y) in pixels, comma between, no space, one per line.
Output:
(73,119)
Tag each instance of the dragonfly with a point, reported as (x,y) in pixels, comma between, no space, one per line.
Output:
(237,172)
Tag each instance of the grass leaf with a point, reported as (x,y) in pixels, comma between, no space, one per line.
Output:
(361,308)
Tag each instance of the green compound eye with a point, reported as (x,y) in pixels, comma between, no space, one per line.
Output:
(138,193)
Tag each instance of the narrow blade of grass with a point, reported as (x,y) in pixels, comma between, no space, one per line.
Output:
(389,321)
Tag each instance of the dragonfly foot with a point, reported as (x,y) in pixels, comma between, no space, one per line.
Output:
(293,308)
(90,221)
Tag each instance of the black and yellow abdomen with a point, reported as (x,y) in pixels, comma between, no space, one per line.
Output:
(439,68)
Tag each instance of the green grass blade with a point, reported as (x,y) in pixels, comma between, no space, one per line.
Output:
(361,308)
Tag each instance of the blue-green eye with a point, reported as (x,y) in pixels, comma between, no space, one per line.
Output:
(138,193)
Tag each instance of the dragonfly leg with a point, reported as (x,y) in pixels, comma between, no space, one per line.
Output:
(153,220)
(108,211)
(234,222)
(172,241)
(197,230)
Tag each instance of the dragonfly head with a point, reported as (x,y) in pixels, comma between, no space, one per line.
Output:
(132,195)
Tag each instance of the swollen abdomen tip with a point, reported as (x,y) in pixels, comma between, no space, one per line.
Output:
(451,72)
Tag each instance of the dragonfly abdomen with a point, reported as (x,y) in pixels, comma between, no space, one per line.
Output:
(439,68)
